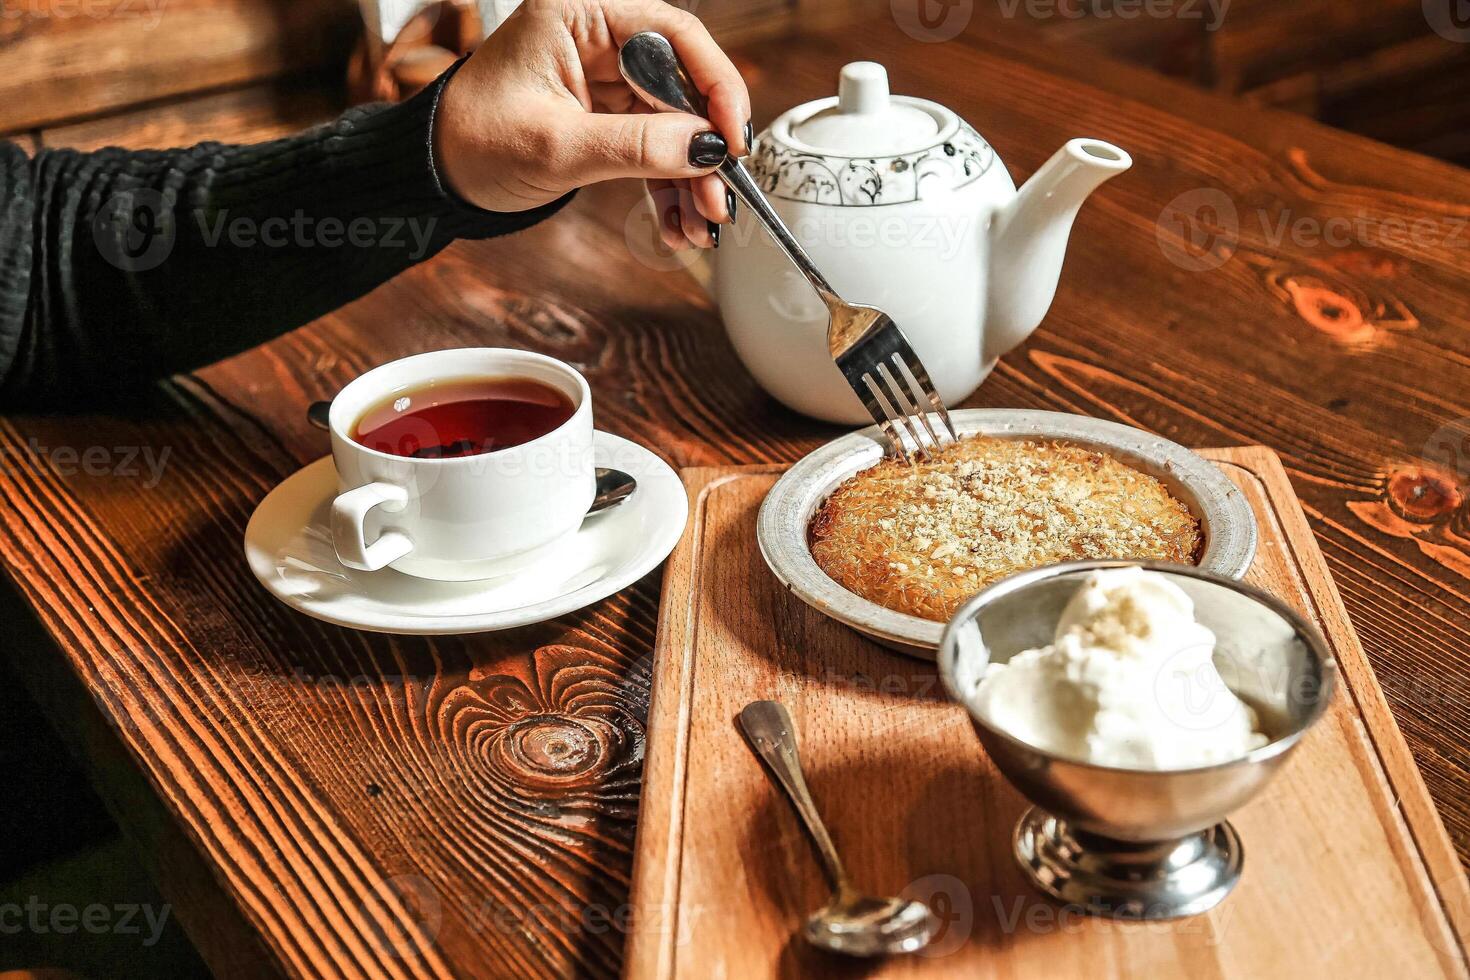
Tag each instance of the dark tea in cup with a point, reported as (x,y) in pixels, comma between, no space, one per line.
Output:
(462,417)
(459,465)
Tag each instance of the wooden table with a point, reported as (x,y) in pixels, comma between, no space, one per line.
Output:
(323,802)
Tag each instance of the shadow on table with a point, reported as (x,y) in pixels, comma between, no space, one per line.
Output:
(946,843)
(73,894)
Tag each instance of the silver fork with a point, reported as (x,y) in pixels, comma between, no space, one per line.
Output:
(870,351)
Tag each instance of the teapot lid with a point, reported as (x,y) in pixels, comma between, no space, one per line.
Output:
(868,147)
(867,120)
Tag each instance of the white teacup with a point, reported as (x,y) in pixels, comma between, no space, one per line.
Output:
(466,517)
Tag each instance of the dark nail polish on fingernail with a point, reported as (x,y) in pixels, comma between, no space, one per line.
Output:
(730,204)
(714,232)
(708,150)
(749,136)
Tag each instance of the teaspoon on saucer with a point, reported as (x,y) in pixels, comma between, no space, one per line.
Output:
(319,414)
(850,923)
(613,486)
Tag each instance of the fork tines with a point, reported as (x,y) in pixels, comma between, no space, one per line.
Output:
(897,392)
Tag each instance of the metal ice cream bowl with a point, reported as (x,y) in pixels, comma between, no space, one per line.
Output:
(1141,843)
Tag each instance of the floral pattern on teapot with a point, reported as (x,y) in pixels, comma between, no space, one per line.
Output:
(797,175)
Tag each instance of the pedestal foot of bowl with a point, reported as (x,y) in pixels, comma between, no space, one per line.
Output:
(1128,879)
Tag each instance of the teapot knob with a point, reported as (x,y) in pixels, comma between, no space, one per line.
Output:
(863,88)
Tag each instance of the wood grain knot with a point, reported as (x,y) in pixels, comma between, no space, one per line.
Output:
(563,732)
(1423,495)
(1330,312)
(552,751)
(1343,311)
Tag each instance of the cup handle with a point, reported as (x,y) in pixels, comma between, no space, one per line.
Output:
(349,515)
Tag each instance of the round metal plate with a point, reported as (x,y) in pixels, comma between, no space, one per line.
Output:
(1225,516)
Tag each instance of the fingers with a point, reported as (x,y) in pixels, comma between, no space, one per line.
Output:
(712,197)
(654,146)
(697,228)
(664,196)
(685,212)
(713,72)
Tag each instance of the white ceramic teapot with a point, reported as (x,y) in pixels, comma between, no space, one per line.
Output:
(905,207)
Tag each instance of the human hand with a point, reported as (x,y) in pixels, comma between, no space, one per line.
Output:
(541,108)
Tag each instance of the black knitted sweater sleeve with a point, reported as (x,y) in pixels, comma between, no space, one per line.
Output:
(121,267)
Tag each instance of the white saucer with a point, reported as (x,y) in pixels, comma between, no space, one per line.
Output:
(288,544)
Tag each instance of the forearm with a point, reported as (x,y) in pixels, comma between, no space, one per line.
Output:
(118,267)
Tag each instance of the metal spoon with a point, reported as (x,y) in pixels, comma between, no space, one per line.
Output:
(850,922)
(613,486)
(319,414)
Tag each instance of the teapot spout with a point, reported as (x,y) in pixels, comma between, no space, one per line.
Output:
(1028,239)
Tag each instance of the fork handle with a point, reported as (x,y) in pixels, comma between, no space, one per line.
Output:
(734,174)
(652,68)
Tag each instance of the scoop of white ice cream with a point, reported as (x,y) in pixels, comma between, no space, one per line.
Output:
(1128,681)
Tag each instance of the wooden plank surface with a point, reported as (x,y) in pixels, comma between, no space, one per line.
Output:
(65,59)
(266,111)
(343,820)
(1344,843)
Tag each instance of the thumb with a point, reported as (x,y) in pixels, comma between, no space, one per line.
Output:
(650,145)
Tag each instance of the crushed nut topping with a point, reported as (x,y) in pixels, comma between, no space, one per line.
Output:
(922,539)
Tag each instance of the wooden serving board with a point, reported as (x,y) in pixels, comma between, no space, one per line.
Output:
(1348,871)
